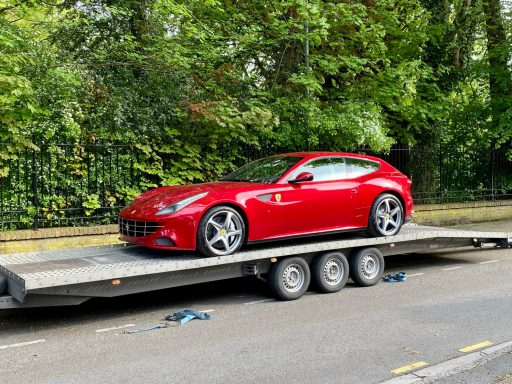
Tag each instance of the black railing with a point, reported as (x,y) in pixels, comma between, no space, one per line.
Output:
(71,185)
(66,185)
(451,175)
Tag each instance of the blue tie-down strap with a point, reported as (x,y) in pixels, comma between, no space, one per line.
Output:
(185,316)
(397,277)
(146,329)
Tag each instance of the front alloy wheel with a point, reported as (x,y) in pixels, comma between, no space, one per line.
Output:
(221,232)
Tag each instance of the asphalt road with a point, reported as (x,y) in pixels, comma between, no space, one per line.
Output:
(451,300)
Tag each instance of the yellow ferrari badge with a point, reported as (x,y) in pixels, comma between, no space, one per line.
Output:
(278,197)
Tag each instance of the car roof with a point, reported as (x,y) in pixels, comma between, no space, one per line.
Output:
(314,154)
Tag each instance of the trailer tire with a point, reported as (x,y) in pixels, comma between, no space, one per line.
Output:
(330,272)
(3,284)
(366,266)
(289,279)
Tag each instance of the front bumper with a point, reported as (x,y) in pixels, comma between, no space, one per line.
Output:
(177,234)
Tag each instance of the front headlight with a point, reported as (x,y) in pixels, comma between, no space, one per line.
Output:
(180,204)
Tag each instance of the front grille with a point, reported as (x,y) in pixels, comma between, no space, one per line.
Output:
(136,228)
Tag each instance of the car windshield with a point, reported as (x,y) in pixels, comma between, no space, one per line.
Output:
(266,170)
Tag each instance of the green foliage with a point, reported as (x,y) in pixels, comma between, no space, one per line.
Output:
(18,104)
(197,87)
(91,203)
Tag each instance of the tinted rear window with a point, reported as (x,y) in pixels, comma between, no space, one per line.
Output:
(359,167)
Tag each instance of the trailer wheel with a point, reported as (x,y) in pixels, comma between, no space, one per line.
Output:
(366,266)
(289,278)
(330,272)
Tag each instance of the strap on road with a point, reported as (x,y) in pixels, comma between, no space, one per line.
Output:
(185,316)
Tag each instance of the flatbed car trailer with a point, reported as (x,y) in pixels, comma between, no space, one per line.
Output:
(72,276)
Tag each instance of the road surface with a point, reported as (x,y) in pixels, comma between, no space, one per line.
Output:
(451,300)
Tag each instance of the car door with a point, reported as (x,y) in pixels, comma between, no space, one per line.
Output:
(328,202)
(361,171)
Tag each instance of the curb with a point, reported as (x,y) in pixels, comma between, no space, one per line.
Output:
(453,366)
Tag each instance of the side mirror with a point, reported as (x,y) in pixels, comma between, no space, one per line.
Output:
(301,177)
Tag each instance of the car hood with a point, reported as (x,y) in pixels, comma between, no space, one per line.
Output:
(150,202)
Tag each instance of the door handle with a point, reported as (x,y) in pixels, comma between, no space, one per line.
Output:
(353,190)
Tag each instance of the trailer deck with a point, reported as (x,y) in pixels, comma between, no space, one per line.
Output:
(72,276)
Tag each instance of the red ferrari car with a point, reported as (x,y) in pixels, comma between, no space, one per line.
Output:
(277,197)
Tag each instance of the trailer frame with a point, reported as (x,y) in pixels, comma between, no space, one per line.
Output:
(72,276)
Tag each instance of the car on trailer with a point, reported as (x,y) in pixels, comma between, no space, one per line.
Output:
(278,197)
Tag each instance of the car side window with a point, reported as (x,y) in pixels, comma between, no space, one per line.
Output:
(324,169)
(359,167)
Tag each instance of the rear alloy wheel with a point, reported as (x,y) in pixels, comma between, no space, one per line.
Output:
(366,266)
(386,216)
(289,278)
(330,272)
(221,232)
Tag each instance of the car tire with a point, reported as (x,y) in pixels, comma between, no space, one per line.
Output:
(221,232)
(330,272)
(366,266)
(289,279)
(386,216)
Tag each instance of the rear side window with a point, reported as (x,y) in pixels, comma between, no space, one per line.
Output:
(359,167)
(324,169)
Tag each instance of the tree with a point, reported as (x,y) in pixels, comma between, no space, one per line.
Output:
(18,104)
(500,77)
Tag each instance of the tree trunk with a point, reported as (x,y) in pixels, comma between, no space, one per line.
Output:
(500,81)
(461,24)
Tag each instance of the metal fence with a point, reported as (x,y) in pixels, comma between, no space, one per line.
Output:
(454,174)
(66,185)
(71,185)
